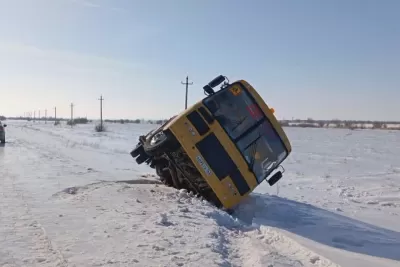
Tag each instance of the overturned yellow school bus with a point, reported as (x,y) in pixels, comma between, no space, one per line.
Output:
(221,148)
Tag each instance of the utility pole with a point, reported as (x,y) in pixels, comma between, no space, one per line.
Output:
(55,115)
(101,112)
(45,116)
(72,113)
(34,115)
(187,86)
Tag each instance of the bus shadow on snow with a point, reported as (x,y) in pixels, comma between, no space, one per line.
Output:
(320,225)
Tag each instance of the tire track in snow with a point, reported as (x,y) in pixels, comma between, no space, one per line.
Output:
(94,146)
(25,238)
(79,155)
(25,242)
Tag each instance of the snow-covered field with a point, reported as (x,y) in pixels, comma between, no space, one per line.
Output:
(62,203)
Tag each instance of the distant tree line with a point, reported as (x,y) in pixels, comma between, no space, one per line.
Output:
(85,120)
(74,121)
(304,123)
(137,121)
(78,121)
(344,124)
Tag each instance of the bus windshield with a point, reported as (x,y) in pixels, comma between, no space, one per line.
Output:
(248,127)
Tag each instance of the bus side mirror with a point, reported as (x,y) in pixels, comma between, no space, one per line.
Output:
(209,88)
(216,81)
(275,178)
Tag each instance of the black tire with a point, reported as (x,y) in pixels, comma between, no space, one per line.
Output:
(148,161)
(3,141)
(163,144)
(137,151)
(165,175)
(141,158)
(152,164)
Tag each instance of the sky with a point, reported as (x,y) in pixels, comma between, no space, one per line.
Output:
(307,59)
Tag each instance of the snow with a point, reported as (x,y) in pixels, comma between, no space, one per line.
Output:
(74,197)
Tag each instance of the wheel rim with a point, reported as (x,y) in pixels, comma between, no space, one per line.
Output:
(158,137)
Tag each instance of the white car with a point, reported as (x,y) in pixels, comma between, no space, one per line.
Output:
(2,133)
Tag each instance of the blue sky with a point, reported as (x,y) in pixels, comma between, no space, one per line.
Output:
(319,59)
